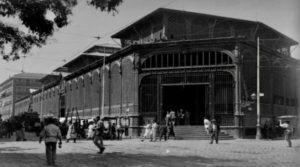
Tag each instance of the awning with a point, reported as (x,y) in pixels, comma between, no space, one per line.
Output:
(287,117)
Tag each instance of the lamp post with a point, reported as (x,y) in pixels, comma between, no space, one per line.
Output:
(103,89)
(258,132)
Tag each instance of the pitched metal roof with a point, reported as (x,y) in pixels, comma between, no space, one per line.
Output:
(160,11)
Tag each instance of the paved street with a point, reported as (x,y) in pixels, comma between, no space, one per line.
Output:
(175,153)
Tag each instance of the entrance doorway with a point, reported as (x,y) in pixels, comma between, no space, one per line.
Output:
(191,98)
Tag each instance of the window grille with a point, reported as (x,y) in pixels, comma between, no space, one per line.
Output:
(190,59)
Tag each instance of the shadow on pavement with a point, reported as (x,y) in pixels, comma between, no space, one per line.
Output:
(10,149)
(114,159)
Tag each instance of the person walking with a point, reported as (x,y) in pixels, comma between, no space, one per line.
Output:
(120,131)
(51,133)
(163,129)
(171,130)
(99,132)
(215,128)
(72,134)
(154,131)
(148,129)
(288,131)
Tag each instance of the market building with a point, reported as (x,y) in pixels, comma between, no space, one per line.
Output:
(172,60)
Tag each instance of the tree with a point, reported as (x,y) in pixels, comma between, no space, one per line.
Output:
(37,26)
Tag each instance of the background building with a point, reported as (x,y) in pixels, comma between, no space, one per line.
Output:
(172,60)
(64,96)
(16,87)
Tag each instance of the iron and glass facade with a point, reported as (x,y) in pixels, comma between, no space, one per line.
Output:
(174,60)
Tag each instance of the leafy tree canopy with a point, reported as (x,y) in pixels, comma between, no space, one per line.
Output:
(37,27)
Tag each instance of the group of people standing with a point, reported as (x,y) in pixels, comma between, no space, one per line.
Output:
(178,117)
(153,131)
(9,126)
(75,129)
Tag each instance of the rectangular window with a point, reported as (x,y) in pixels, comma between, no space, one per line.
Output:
(176,60)
(165,60)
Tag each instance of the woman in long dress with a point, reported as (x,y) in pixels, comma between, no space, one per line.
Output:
(148,131)
(90,130)
(72,134)
(154,128)
(207,125)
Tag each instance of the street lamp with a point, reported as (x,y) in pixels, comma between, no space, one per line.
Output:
(258,132)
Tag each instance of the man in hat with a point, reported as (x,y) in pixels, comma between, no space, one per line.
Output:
(51,133)
(99,132)
(215,131)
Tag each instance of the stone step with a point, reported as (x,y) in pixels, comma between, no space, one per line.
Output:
(200,138)
(196,133)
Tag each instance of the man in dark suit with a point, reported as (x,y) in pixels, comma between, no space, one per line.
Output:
(215,131)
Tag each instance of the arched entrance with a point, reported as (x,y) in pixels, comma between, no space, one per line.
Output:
(195,93)
(195,90)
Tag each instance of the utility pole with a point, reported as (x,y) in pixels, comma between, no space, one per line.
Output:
(42,101)
(258,132)
(103,84)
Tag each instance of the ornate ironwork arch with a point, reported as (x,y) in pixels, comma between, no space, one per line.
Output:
(187,59)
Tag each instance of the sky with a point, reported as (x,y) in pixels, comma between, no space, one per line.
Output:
(86,23)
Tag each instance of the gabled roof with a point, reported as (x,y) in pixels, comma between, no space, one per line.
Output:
(158,12)
(24,75)
(29,75)
(94,53)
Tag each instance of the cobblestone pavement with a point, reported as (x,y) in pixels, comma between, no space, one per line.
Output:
(174,153)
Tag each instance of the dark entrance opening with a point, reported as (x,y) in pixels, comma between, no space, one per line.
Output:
(193,98)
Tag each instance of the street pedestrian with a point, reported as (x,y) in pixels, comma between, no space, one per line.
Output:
(19,131)
(9,129)
(120,131)
(109,129)
(215,128)
(99,132)
(72,134)
(113,131)
(181,117)
(51,133)
(171,130)
(187,118)
(173,117)
(168,117)
(154,131)
(147,133)
(91,130)
(267,129)
(288,131)
(207,124)
(163,129)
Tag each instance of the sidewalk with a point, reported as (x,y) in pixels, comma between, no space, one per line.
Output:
(174,153)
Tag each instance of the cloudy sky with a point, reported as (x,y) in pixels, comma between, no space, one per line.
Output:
(86,23)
